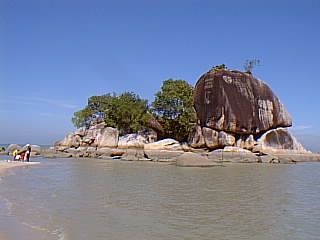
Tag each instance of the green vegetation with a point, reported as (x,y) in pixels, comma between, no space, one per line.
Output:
(250,64)
(95,109)
(221,66)
(173,106)
(127,112)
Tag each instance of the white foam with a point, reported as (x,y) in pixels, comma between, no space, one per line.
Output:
(58,233)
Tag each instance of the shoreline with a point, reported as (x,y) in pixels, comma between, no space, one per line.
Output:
(198,157)
(169,150)
(5,165)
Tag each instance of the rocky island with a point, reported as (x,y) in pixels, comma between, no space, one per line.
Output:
(239,119)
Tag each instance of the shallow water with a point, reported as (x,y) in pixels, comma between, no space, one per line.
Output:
(114,200)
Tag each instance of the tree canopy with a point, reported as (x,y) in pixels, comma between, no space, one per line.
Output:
(172,108)
(250,64)
(127,112)
(173,105)
(95,109)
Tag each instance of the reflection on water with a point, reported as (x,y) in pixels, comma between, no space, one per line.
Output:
(99,199)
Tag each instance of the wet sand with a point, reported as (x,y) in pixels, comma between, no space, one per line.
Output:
(7,164)
(3,237)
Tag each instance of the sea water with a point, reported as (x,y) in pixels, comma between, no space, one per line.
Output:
(115,200)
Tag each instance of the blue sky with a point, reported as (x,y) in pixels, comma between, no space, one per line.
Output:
(56,54)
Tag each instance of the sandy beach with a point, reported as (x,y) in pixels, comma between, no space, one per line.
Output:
(7,164)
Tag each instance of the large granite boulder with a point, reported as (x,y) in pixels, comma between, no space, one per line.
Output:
(236,109)
(164,144)
(70,140)
(131,141)
(106,137)
(95,136)
(233,154)
(246,142)
(162,155)
(237,102)
(215,139)
(277,141)
(134,154)
(13,147)
(92,133)
(80,132)
(189,159)
(35,149)
(196,139)
(3,150)
(111,152)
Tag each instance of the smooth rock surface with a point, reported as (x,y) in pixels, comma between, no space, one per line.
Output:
(233,149)
(211,137)
(237,157)
(162,155)
(13,147)
(106,137)
(215,139)
(111,151)
(189,159)
(165,144)
(96,136)
(131,141)
(70,140)
(237,102)
(278,141)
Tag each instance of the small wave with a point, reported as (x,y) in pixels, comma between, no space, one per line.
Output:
(7,204)
(57,234)
(61,235)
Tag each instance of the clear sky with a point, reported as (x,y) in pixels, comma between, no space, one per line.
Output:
(56,54)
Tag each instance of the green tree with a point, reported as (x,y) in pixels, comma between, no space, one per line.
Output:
(127,112)
(95,109)
(83,117)
(221,66)
(173,106)
(250,64)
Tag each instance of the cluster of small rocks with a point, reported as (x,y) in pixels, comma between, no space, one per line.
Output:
(35,149)
(166,150)
(170,151)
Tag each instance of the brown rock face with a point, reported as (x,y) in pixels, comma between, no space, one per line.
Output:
(237,102)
